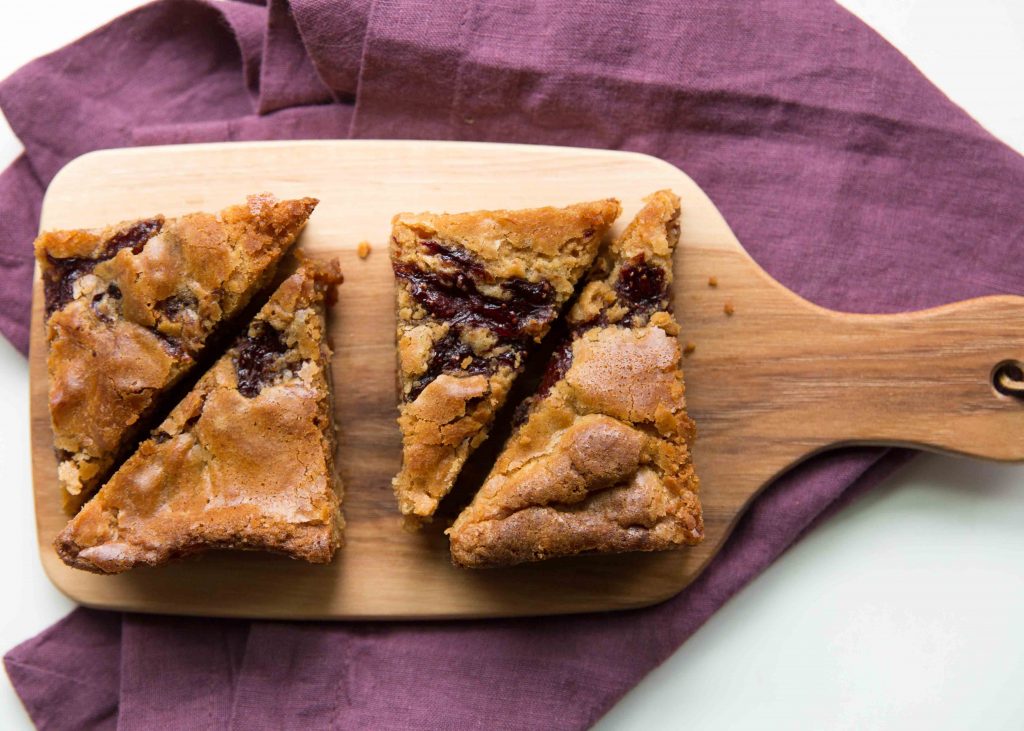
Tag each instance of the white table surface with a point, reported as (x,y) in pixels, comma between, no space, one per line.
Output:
(901,613)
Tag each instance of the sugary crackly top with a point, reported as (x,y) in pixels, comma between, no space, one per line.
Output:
(601,461)
(582,436)
(244,461)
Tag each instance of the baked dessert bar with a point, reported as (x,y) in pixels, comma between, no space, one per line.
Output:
(601,461)
(129,308)
(246,460)
(475,291)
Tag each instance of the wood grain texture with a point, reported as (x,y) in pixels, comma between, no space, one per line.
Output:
(777,381)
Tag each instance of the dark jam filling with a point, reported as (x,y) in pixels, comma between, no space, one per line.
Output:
(59,279)
(558,366)
(641,287)
(458,258)
(257,354)
(448,355)
(173,306)
(454,297)
(173,345)
(135,236)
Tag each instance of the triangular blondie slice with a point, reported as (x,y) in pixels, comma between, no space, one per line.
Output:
(601,463)
(246,460)
(475,292)
(130,307)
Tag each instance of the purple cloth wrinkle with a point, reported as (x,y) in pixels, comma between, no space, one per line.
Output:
(289,77)
(21,196)
(415,100)
(845,173)
(211,649)
(334,35)
(167,62)
(325,121)
(69,676)
(247,21)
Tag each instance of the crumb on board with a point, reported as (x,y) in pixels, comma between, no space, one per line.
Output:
(729,309)
(364,249)
(712,281)
(689,348)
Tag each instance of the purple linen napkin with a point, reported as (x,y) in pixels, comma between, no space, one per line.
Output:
(845,173)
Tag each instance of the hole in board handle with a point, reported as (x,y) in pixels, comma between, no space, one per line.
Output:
(1008,378)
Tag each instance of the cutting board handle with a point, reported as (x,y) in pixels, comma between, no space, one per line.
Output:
(1009,378)
(948,379)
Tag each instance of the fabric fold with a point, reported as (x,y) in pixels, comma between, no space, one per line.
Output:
(289,76)
(247,22)
(326,121)
(175,61)
(334,35)
(69,676)
(21,196)
(202,697)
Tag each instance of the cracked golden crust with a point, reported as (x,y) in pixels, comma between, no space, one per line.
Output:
(112,357)
(602,463)
(452,415)
(227,471)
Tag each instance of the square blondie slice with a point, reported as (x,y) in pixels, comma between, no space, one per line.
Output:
(245,461)
(601,462)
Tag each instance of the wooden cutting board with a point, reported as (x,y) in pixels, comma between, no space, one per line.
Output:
(775,382)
